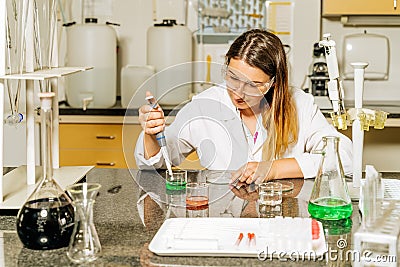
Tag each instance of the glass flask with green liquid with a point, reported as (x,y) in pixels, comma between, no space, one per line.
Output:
(330,198)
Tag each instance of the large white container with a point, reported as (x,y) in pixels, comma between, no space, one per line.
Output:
(168,47)
(94,45)
(135,81)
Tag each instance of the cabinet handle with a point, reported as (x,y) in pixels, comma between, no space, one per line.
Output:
(105,163)
(105,136)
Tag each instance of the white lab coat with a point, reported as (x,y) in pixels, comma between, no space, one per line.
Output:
(211,125)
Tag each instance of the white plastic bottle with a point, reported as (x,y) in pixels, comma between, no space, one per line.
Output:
(135,81)
(169,50)
(92,45)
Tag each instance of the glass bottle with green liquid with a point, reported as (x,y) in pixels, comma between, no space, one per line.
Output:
(330,198)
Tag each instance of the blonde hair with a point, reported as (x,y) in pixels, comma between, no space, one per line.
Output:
(282,124)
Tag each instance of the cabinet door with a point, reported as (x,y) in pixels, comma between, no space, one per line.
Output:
(105,136)
(130,134)
(105,146)
(101,145)
(359,7)
(100,158)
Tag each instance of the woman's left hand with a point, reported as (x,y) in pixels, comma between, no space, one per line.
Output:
(256,172)
(245,191)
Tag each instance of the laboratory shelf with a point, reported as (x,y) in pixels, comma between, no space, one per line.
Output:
(16,190)
(216,38)
(44,74)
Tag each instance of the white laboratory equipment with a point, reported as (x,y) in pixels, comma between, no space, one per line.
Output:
(169,47)
(335,87)
(357,131)
(360,118)
(318,78)
(34,73)
(355,50)
(135,81)
(95,45)
(377,237)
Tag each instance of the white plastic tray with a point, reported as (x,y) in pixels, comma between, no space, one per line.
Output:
(217,237)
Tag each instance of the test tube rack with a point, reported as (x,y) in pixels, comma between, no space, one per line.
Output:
(13,191)
(377,245)
(230,16)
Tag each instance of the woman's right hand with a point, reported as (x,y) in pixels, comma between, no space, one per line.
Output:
(151,119)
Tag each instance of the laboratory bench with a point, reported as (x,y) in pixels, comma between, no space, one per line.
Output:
(131,207)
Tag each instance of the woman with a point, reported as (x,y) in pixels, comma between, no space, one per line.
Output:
(254,124)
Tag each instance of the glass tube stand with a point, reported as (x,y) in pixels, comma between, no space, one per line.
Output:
(13,189)
(377,244)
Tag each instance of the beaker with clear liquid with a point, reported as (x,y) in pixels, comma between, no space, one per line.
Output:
(84,246)
(330,198)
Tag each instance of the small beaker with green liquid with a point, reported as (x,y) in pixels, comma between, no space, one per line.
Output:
(330,198)
(176,181)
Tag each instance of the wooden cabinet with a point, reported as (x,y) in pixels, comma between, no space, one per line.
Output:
(101,145)
(359,7)
(104,146)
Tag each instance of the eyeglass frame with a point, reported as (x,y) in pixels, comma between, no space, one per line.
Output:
(266,85)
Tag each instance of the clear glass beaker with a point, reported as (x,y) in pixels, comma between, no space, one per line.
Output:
(46,219)
(175,203)
(330,199)
(84,246)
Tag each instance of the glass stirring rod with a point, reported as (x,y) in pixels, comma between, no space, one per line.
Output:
(160,137)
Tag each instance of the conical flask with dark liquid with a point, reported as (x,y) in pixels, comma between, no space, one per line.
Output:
(330,198)
(46,219)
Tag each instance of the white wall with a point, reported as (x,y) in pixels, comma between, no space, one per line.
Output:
(306,31)
(135,18)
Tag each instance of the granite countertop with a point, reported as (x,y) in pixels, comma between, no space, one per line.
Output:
(132,205)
